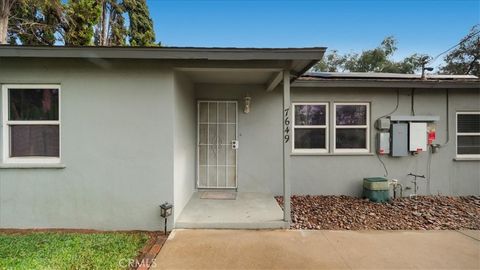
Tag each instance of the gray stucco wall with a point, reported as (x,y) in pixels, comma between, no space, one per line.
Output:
(128,145)
(342,174)
(260,153)
(116,144)
(184,142)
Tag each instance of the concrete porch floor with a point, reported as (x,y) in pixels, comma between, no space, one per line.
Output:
(250,210)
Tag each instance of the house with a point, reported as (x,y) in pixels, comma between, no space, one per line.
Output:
(98,138)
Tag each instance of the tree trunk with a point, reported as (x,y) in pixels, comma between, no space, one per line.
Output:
(5,6)
(104,24)
(109,27)
(3,28)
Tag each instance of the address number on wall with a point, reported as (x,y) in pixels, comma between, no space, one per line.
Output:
(286,121)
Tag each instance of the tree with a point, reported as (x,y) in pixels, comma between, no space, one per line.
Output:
(118,32)
(465,59)
(81,17)
(76,22)
(5,9)
(141,31)
(332,62)
(410,64)
(374,60)
(111,30)
(35,22)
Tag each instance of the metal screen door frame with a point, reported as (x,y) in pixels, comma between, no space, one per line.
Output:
(227,145)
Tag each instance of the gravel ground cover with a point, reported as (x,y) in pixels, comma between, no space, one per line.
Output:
(350,213)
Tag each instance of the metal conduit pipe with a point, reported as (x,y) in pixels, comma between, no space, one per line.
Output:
(395,185)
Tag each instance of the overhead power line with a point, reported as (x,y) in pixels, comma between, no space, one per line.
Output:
(454,46)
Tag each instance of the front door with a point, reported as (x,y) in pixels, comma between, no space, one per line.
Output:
(217,144)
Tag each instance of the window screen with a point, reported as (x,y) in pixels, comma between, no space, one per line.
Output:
(34,141)
(468,134)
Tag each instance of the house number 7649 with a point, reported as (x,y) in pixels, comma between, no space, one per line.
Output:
(286,131)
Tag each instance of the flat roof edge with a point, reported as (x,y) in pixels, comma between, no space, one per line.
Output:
(474,84)
(380,76)
(213,53)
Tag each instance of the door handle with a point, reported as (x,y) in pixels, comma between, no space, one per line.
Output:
(234,144)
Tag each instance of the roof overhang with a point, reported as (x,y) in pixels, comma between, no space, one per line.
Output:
(299,59)
(217,65)
(198,53)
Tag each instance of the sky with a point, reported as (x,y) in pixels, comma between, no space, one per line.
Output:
(422,26)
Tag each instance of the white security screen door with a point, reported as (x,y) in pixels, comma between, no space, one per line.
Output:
(217,144)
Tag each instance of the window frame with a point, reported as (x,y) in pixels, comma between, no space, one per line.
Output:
(326,127)
(366,126)
(458,134)
(6,123)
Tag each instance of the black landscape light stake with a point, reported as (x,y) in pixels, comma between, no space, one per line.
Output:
(165,212)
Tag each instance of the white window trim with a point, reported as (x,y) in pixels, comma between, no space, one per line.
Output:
(5,126)
(367,127)
(311,150)
(466,156)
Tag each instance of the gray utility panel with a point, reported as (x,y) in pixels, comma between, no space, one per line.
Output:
(400,140)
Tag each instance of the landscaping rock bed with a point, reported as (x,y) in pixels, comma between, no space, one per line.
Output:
(350,213)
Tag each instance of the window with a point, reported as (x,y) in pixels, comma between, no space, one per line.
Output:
(31,123)
(351,127)
(468,134)
(310,130)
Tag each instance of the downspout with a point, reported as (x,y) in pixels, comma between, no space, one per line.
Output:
(447,119)
(412,102)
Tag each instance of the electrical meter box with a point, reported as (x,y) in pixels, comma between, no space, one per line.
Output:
(383,143)
(418,137)
(383,123)
(399,140)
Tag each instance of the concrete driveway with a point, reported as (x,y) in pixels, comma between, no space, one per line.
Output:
(288,249)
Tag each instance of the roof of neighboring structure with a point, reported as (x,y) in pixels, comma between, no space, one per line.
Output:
(377,75)
(385,80)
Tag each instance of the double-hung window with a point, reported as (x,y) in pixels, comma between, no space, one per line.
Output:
(468,134)
(310,127)
(351,127)
(31,123)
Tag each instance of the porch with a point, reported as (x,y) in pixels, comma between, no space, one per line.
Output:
(232,124)
(249,210)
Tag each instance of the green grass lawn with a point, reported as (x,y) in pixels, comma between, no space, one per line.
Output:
(58,250)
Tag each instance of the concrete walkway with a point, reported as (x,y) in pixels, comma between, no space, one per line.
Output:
(287,249)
